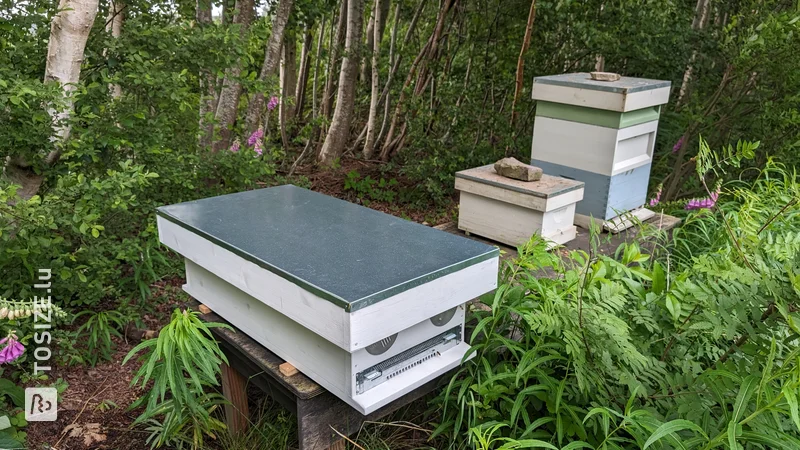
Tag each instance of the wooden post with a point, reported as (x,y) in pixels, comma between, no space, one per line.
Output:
(340,445)
(234,388)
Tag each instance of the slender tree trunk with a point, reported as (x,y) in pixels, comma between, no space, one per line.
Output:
(228,104)
(369,145)
(288,75)
(314,109)
(398,58)
(433,49)
(388,101)
(520,78)
(428,51)
(698,23)
(271,58)
(69,31)
(227,12)
(208,88)
(370,35)
(314,102)
(345,98)
(305,66)
(341,27)
(369,40)
(116,16)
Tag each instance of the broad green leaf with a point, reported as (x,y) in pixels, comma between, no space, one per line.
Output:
(14,392)
(749,386)
(659,279)
(576,445)
(770,441)
(534,443)
(790,392)
(671,427)
(8,443)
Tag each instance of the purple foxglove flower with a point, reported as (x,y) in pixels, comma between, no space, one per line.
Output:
(235,146)
(258,148)
(12,350)
(677,145)
(258,134)
(273,102)
(657,199)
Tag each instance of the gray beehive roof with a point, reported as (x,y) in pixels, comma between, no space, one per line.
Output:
(346,253)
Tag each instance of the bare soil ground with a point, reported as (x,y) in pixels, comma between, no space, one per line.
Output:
(93,412)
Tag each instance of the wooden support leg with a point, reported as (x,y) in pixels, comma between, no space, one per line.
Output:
(338,446)
(234,388)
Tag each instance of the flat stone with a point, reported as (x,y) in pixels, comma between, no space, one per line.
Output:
(512,168)
(605,76)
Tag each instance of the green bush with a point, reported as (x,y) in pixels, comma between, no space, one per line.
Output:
(636,350)
(182,363)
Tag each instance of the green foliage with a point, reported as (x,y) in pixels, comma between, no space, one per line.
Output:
(182,363)
(12,417)
(639,350)
(366,188)
(97,331)
(272,427)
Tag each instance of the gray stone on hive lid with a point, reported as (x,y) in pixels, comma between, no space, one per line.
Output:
(605,76)
(512,168)
(348,254)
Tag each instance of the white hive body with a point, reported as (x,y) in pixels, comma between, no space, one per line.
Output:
(511,211)
(599,132)
(367,305)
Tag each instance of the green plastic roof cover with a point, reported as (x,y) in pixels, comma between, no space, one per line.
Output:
(346,253)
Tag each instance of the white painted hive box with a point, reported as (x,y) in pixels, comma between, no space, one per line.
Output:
(368,305)
(599,132)
(511,211)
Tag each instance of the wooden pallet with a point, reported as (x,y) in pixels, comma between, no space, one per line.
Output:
(322,418)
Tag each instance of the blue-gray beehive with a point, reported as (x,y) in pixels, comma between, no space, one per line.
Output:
(599,132)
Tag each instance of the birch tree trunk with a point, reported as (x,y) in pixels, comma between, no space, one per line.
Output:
(272,56)
(314,103)
(698,23)
(302,78)
(288,75)
(526,42)
(69,31)
(327,96)
(394,67)
(116,16)
(231,91)
(392,59)
(372,118)
(429,50)
(379,21)
(345,98)
(369,40)
(314,108)
(208,88)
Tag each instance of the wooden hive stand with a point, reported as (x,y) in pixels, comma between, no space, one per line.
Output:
(322,418)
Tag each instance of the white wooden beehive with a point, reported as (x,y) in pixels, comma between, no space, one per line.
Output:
(367,305)
(599,132)
(511,211)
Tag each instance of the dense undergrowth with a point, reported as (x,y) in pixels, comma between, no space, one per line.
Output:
(691,345)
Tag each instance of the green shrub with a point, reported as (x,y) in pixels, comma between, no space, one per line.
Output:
(182,363)
(628,351)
